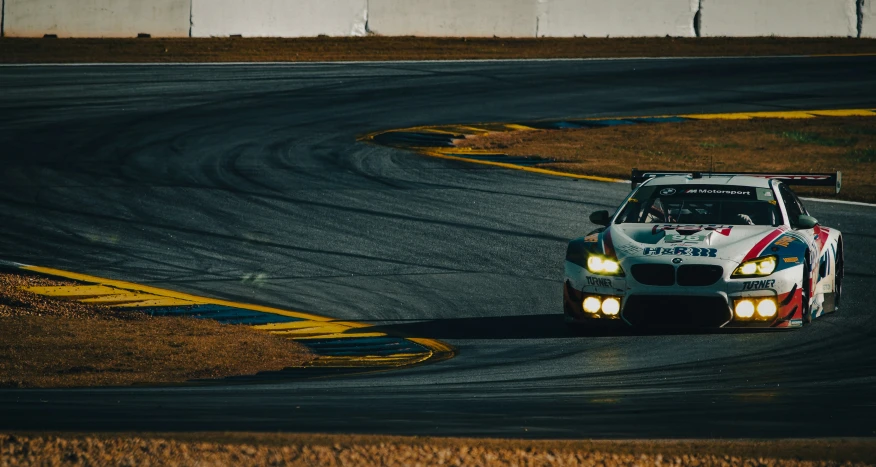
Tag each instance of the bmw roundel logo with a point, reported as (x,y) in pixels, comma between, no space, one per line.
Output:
(677,260)
(667,191)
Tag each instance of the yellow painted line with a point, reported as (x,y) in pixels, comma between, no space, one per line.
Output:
(844,113)
(159,302)
(375,360)
(81,291)
(129,297)
(516,127)
(843,55)
(524,168)
(453,153)
(127,294)
(749,115)
(168,293)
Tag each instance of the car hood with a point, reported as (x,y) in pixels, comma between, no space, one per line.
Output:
(730,243)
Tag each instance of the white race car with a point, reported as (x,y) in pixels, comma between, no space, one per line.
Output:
(707,250)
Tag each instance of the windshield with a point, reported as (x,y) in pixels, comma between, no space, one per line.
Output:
(701,204)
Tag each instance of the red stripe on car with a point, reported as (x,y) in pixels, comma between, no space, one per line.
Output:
(608,246)
(762,244)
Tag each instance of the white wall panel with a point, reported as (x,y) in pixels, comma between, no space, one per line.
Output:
(868,25)
(616,18)
(97,18)
(279,18)
(803,18)
(473,18)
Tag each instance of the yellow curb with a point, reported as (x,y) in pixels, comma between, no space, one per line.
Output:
(127,294)
(451,153)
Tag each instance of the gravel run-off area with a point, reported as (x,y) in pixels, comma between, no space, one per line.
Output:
(304,450)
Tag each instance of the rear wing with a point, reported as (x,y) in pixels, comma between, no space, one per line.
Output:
(835,179)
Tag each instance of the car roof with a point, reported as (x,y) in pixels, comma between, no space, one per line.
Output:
(733,180)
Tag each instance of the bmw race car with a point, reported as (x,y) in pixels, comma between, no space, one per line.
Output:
(707,250)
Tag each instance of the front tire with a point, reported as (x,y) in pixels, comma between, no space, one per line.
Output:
(839,272)
(805,285)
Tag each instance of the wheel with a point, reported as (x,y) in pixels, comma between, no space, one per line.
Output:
(805,285)
(838,278)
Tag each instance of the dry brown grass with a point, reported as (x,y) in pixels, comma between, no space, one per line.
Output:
(340,450)
(13,50)
(847,144)
(54,343)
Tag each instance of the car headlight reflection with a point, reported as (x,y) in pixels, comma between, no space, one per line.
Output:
(767,308)
(611,306)
(757,267)
(744,309)
(592,305)
(600,265)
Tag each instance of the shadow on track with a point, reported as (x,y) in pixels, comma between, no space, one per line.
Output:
(546,326)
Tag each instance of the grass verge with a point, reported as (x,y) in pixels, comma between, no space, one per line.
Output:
(19,50)
(57,343)
(307,450)
(828,144)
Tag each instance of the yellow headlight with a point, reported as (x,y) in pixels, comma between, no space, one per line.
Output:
(767,308)
(767,266)
(611,306)
(610,266)
(744,309)
(756,267)
(592,305)
(594,264)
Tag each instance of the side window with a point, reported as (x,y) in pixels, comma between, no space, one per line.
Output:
(792,205)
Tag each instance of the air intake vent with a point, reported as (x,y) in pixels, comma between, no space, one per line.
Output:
(696,275)
(654,274)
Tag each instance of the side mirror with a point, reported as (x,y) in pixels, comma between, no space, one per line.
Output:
(806,222)
(600,218)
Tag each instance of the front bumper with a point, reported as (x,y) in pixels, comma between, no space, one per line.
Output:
(681,307)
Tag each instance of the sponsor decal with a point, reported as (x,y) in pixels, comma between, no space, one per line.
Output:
(599,281)
(785,241)
(759,285)
(686,238)
(667,192)
(681,251)
(592,238)
(792,259)
(827,287)
(716,191)
(692,229)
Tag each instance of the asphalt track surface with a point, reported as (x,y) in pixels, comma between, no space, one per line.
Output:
(246,183)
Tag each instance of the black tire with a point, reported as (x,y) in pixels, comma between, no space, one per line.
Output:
(839,272)
(805,286)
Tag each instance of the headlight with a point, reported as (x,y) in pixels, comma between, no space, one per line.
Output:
(611,306)
(767,308)
(592,305)
(604,266)
(744,309)
(757,267)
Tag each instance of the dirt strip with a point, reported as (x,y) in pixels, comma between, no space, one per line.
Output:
(825,144)
(18,50)
(46,342)
(307,450)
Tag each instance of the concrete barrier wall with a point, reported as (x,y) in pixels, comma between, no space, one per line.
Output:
(868,19)
(808,18)
(96,18)
(453,18)
(472,18)
(616,18)
(279,18)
